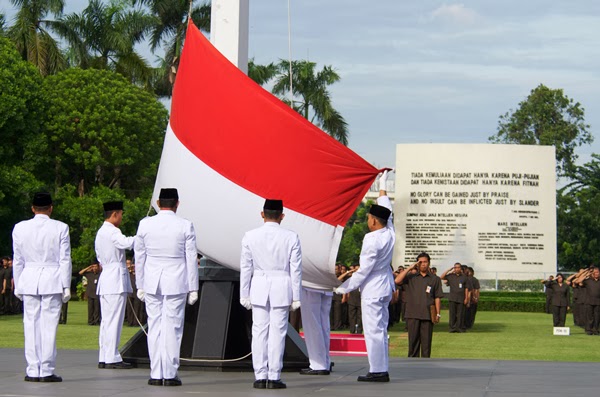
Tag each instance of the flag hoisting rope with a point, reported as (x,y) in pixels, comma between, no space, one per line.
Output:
(290,52)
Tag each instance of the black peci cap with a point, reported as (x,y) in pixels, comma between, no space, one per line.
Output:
(168,193)
(113,206)
(273,205)
(380,212)
(42,199)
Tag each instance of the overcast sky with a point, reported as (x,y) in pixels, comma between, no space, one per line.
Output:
(433,71)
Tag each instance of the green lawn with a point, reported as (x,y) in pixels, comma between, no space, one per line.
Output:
(75,334)
(506,336)
(496,336)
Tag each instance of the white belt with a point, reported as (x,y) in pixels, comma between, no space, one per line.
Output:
(41,264)
(274,273)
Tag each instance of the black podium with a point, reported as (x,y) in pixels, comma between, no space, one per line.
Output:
(218,331)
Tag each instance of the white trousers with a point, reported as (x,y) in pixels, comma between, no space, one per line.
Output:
(315,322)
(112,307)
(269,329)
(375,316)
(40,321)
(165,330)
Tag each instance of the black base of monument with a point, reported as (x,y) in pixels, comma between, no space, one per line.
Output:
(217,331)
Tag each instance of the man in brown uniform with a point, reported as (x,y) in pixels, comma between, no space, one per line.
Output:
(92,273)
(591,286)
(458,297)
(423,290)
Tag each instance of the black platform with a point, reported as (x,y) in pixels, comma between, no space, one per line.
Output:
(218,330)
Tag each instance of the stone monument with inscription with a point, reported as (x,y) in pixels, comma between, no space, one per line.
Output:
(489,206)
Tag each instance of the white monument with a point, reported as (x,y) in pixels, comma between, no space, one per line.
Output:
(489,206)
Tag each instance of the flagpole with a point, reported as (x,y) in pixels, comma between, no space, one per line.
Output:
(290,52)
(190,10)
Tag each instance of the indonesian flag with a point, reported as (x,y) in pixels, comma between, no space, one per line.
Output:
(230,144)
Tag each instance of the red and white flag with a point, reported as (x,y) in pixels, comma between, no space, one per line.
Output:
(230,144)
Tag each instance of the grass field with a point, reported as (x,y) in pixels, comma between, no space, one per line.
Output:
(75,334)
(495,336)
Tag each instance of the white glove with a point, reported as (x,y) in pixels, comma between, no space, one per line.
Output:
(383,180)
(295,305)
(338,291)
(246,303)
(66,295)
(141,294)
(192,297)
(19,296)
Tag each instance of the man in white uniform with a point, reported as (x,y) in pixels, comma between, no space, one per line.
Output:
(316,305)
(113,284)
(42,276)
(376,283)
(166,271)
(270,279)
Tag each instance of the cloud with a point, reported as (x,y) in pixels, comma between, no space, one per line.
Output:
(455,14)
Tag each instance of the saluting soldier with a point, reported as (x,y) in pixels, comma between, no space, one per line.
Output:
(166,271)
(376,283)
(42,274)
(270,279)
(113,284)
(424,291)
(458,297)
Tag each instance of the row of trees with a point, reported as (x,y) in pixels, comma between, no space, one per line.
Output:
(549,117)
(107,35)
(79,110)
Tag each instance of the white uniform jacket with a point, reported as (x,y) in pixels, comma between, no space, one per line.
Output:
(42,256)
(374,277)
(271,266)
(110,251)
(166,255)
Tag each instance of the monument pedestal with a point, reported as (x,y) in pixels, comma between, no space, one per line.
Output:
(217,331)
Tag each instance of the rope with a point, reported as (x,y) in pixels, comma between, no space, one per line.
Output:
(290,52)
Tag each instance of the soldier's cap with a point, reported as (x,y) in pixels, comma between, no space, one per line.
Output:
(168,193)
(42,199)
(113,206)
(380,212)
(273,205)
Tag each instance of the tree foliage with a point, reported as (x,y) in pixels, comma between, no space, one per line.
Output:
(21,109)
(167,30)
(101,131)
(31,34)
(312,98)
(352,238)
(547,117)
(578,217)
(104,36)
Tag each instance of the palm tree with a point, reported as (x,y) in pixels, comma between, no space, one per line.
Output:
(2,24)
(168,32)
(311,97)
(31,35)
(261,74)
(103,36)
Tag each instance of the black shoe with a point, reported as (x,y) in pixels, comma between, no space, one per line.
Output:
(101,365)
(31,379)
(155,382)
(275,384)
(51,378)
(173,382)
(331,364)
(260,384)
(119,365)
(375,377)
(308,371)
